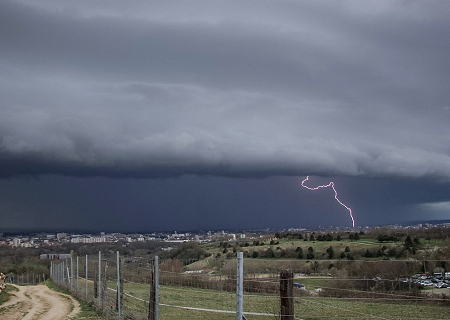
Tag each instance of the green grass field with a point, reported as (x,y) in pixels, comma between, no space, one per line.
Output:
(203,304)
(190,303)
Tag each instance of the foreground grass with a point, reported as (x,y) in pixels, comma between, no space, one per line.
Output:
(317,308)
(202,304)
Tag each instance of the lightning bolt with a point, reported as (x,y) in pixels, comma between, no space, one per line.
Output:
(331,184)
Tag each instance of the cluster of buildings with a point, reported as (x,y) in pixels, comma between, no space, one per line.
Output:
(55,239)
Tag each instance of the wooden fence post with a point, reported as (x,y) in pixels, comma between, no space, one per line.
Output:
(287,295)
(153,307)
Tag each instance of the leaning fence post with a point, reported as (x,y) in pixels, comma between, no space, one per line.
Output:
(68,277)
(287,295)
(240,286)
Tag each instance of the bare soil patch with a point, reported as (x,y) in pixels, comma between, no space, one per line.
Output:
(39,303)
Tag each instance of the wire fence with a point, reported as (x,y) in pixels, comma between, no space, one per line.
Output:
(27,278)
(237,288)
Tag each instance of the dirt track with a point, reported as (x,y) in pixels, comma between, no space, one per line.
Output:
(39,303)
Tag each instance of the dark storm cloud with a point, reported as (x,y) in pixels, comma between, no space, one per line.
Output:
(225,88)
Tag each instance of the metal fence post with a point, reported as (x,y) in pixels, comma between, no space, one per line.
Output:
(71,272)
(157,287)
(240,286)
(99,279)
(78,275)
(118,286)
(86,282)
(68,277)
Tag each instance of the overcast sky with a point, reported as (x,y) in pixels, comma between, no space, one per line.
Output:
(162,115)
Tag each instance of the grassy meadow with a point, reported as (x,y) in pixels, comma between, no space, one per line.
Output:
(193,303)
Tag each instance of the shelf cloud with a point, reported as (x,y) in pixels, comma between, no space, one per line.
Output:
(228,89)
(290,88)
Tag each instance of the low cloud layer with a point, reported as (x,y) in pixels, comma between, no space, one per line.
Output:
(144,89)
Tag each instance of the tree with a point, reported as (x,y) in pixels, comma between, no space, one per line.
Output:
(311,238)
(410,245)
(330,252)
(347,249)
(368,254)
(310,254)
(299,252)
(270,253)
(189,251)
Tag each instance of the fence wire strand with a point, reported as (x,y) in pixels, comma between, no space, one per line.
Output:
(189,291)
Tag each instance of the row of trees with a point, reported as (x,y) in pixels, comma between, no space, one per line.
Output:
(320,237)
(409,246)
(297,253)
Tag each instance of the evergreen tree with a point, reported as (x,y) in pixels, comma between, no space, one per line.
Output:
(299,252)
(330,252)
(310,254)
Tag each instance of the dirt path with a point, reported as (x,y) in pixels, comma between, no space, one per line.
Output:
(39,303)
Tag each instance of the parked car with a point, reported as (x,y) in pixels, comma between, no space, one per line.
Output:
(426,283)
(441,285)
